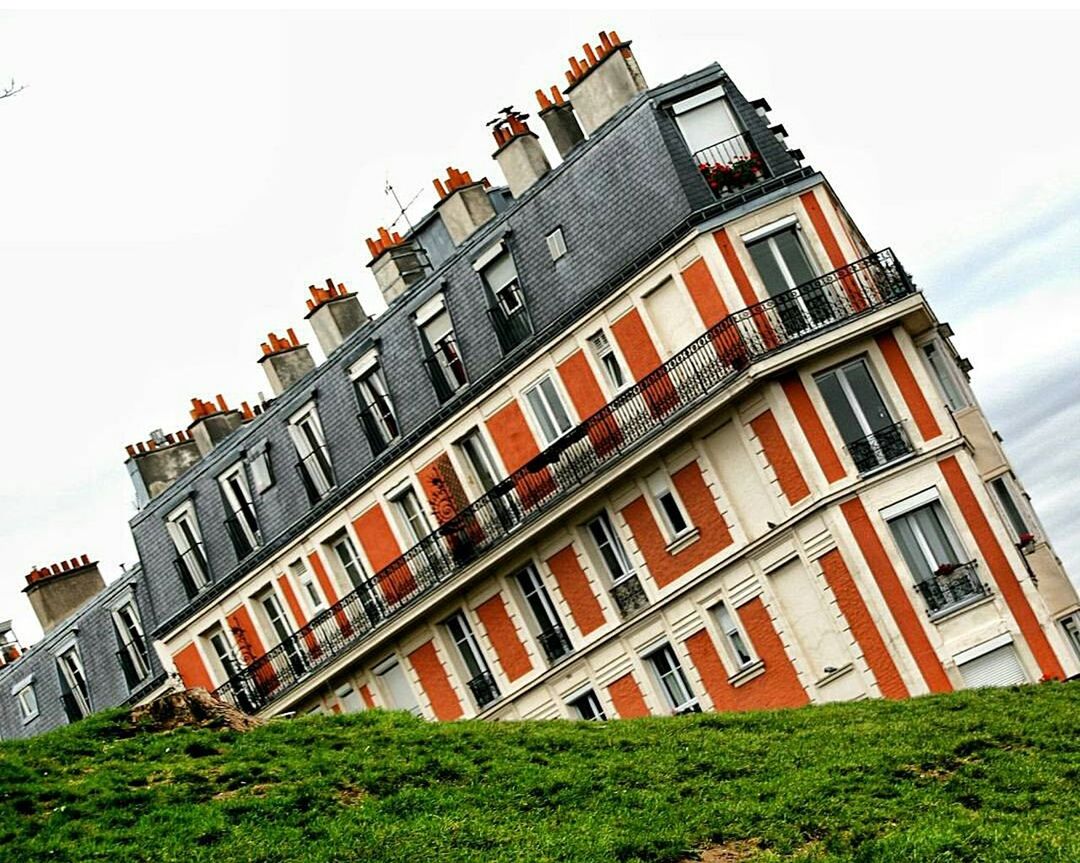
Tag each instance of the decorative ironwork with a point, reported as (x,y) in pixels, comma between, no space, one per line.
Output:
(555,642)
(484,689)
(944,591)
(731,165)
(511,328)
(629,595)
(641,412)
(879,448)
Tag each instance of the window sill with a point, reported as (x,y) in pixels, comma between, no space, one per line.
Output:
(863,474)
(834,675)
(683,540)
(745,675)
(953,610)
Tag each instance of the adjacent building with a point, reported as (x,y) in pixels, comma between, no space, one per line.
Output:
(651,431)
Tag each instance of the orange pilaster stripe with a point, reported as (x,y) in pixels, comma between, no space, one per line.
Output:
(640,353)
(382,549)
(580,382)
(511,653)
(735,267)
(909,387)
(243,629)
(575,589)
(323,578)
(813,429)
(516,446)
(896,596)
(704,292)
(863,628)
(832,247)
(627,698)
(192,669)
(791,479)
(1004,577)
(444,701)
(780,685)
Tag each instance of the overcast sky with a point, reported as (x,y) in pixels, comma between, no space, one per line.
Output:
(171,183)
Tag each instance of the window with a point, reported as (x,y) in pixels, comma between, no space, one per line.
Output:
(133,653)
(872,436)
(549,629)
(74,690)
(410,514)
(783,264)
(1071,626)
(480,683)
(669,672)
(946,375)
(444,360)
(314,467)
(346,559)
(508,313)
(547,409)
(1022,533)
(928,544)
(26,697)
(588,706)
(190,561)
(262,471)
(394,686)
(242,523)
(308,587)
(278,623)
(706,121)
(672,515)
(483,476)
(376,409)
(609,361)
(616,561)
(229,664)
(556,244)
(349,698)
(736,645)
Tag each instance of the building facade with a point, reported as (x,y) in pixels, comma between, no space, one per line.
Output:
(652,431)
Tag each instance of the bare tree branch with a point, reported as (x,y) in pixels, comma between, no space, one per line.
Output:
(11,90)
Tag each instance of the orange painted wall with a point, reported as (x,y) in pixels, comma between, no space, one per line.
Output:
(245,634)
(998,563)
(382,549)
(812,427)
(777,686)
(832,248)
(703,291)
(909,387)
(791,479)
(863,628)
(746,289)
(365,693)
(643,359)
(703,514)
(896,596)
(436,682)
(588,399)
(516,446)
(627,698)
(575,589)
(323,577)
(511,653)
(192,669)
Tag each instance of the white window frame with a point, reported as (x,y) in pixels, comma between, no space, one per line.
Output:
(1070,627)
(185,514)
(238,472)
(408,522)
(546,408)
(921,541)
(309,450)
(733,639)
(343,537)
(945,374)
(130,641)
(81,696)
(612,539)
(385,688)
(447,333)
(611,363)
(229,644)
(588,695)
(680,702)
(345,693)
(469,640)
(661,487)
(840,373)
(29,709)
(310,589)
(556,243)
(370,386)
(506,294)
(1006,483)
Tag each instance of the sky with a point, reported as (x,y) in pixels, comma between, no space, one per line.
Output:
(172,182)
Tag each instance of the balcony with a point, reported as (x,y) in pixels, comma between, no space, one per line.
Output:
(555,643)
(880,448)
(731,165)
(511,327)
(484,689)
(951,587)
(629,596)
(640,413)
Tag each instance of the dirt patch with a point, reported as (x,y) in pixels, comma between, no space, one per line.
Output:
(351,796)
(725,852)
(193,708)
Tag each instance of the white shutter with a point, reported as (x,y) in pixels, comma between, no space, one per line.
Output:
(999,667)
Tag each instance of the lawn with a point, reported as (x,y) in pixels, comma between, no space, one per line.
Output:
(975,776)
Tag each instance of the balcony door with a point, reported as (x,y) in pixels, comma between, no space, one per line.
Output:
(866,424)
(784,264)
(279,623)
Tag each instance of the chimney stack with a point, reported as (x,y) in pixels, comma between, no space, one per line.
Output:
(334,314)
(603,81)
(212,422)
(285,361)
(58,591)
(155,464)
(464,205)
(397,263)
(520,155)
(559,118)
(10,649)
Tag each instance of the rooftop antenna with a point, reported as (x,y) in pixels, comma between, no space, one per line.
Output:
(402,214)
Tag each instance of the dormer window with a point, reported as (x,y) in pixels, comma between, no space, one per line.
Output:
(190,561)
(133,653)
(74,690)
(442,354)
(314,467)
(377,414)
(507,310)
(242,523)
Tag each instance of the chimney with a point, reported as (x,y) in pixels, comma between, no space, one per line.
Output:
(464,205)
(396,263)
(155,464)
(520,155)
(10,649)
(212,422)
(559,118)
(58,591)
(334,314)
(285,361)
(603,81)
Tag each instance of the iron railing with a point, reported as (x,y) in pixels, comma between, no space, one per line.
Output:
(731,165)
(879,448)
(511,328)
(242,545)
(379,435)
(447,376)
(629,595)
(192,568)
(316,470)
(484,689)
(945,590)
(555,642)
(635,416)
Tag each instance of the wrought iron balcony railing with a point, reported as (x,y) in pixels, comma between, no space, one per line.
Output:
(638,414)
(947,590)
(880,448)
(730,165)
(555,642)
(484,689)
(629,595)
(514,327)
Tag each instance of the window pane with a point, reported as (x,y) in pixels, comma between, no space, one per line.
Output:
(791,250)
(768,269)
(867,396)
(840,408)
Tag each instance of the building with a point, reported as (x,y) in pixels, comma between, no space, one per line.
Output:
(655,430)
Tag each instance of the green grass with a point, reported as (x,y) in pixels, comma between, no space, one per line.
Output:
(977,776)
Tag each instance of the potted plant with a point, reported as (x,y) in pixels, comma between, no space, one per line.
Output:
(946,569)
(742,171)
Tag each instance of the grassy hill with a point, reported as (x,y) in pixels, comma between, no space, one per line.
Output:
(977,776)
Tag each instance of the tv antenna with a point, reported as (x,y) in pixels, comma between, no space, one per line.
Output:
(402,208)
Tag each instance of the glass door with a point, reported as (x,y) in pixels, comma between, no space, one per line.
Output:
(784,265)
